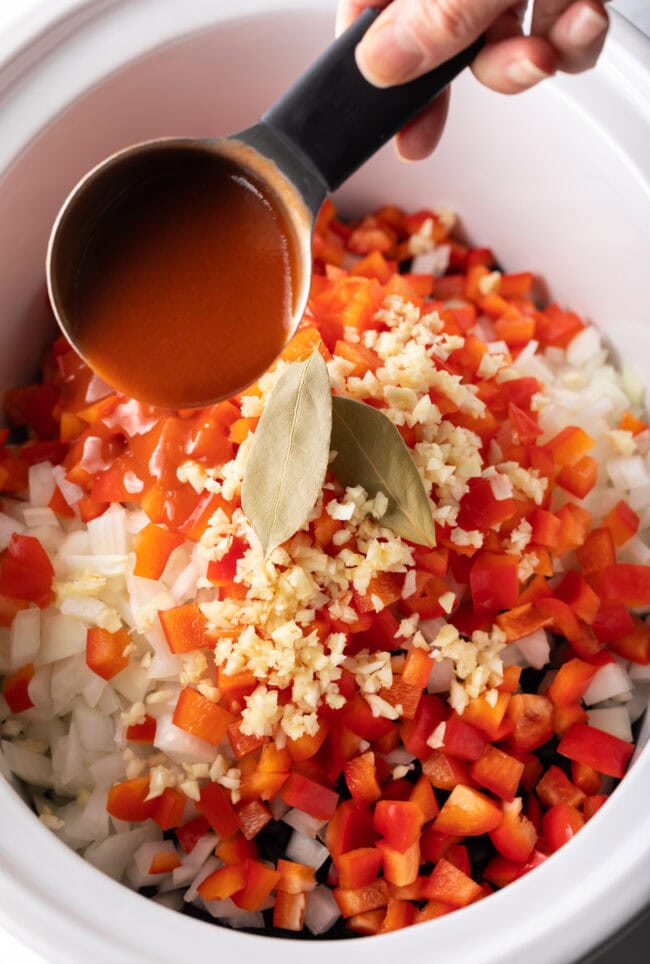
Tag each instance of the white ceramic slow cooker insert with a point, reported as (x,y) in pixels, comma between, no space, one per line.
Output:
(557,180)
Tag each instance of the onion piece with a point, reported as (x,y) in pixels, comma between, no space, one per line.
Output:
(535,648)
(305,850)
(113,854)
(179,745)
(209,867)
(608,683)
(303,822)
(440,677)
(62,636)
(32,767)
(24,637)
(7,528)
(612,719)
(322,911)
(41,483)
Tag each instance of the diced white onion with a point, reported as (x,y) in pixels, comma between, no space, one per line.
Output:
(303,822)
(535,648)
(34,768)
(612,719)
(24,637)
(113,854)
(209,867)
(62,636)
(306,850)
(609,682)
(97,731)
(7,528)
(322,911)
(440,676)
(40,516)
(179,745)
(41,483)
(108,534)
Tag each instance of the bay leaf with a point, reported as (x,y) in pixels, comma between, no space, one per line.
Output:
(370,452)
(286,466)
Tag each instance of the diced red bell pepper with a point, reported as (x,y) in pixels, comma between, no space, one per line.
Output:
(560,824)
(366,923)
(128,800)
(597,551)
(545,528)
(555,787)
(184,628)
(570,682)
(602,751)
(105,651)
(485,717)
(444,771)
(635,644)
(214,804)
(500,871)
(462,740)
(516,836)
(625,583)
(422,794)
(15,689)
(359,719)
(430,712)
(579,478)
(164,862)
(358,868)
(144,732)
(349,829)
(399,914)
(622,522)
(586,778)
(565,716)
(467,813)
(479,509)
(593,804)
(361,779)
(399,867)
(532,716)
(253,816)
(498,772)
(223,883)
(289,910)
(494,581)
(569,445)
(236,850)
(295,878)
(191,832)
(399,822)
(170,809)
(359,900)
(305,794)
(451,886)
(613,623)
(198,715)
(153,546)
(522,621)
(222,572)
(26,571)
(417,668)
(404,695)
(576,592)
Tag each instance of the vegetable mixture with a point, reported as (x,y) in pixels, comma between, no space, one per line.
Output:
(357,647)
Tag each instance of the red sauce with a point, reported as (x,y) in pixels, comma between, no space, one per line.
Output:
(185,292)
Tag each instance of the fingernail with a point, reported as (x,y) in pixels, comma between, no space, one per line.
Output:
(586,26)
(388,55)
(525,73)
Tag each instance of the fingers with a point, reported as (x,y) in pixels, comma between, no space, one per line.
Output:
(412,36)
(348,11)
(515,64)
(420,138)
(578,35)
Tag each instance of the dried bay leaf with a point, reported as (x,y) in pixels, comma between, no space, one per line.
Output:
(370,452)
(286,466)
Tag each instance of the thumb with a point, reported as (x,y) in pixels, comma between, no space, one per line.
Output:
(411,37)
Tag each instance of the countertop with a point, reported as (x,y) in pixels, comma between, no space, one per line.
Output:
(632,949)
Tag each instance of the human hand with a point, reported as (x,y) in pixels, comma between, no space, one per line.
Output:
(411,37)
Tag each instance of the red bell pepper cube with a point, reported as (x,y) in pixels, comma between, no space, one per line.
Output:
(483,716)
(569,445)
(463,740)
(214,804)
(184,628)
(570,682)
(170,808)
(613,623)
(450,885)
(560,824)
(15,689)
(399,914)
(236,850)
(305,794)
(576,592)
(579,478)
(522,621)
(516,836)
(555,787)
(444,771)
(593,804)
(242,744)
(532,716)
(586,778)
(144,732)
(430,712)
(26,571)
(361,779)
(253,816)
(128,800)
(191,832)
(349,829)
(417,668)
(635,644)
(500,871)
(260,881)
(223,883)
(498,772)
(198,715)
(622,522)
(359,867)
(467,813)
(422,794)
(399,867)
(358,900)
(479,509)
(602,751)
(164,862)
(597,551)
(359,719)
(295,878)
(624,583)
(546,528)
(399,822)
(105,651)
(153,546)
(404,695)
(289,910)
(494,581)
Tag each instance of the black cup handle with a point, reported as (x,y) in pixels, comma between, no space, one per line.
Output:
(338,120)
